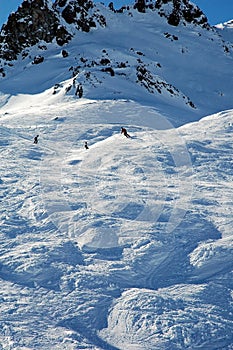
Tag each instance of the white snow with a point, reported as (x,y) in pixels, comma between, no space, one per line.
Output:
(127,245)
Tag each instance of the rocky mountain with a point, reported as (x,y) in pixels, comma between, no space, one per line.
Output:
(41,20)
(174,31)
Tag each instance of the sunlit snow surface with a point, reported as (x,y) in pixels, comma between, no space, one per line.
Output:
(126,245)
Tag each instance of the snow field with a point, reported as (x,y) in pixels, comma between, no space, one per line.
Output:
(126,245)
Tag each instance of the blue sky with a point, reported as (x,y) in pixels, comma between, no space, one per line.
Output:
(217,11)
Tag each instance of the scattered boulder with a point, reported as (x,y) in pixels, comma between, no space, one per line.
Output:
(109,70)
(38,59)
(64,53)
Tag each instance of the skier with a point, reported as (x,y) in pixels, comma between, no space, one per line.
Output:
(85,145)
(36,139)
(124,131)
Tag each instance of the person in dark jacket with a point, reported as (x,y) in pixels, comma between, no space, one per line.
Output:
(36,139)
(86,146)
(124,131)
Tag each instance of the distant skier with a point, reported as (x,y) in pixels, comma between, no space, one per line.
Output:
(36,139)
(86,146)
(124,131)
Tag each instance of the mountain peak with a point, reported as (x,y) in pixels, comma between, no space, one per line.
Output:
(153,51)
(41,20)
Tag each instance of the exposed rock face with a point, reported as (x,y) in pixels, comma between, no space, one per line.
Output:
(41,20)
(79,12)
(37,20)
(140,5)
(177,11)
(34,21)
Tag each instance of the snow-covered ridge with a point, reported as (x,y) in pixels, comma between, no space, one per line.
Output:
(226,30)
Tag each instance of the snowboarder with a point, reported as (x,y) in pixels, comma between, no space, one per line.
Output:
(36,139)
(86,146)
(124,131)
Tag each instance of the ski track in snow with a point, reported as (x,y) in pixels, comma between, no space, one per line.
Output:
(127,245)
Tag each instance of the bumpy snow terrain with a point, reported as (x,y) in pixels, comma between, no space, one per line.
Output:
(126,245)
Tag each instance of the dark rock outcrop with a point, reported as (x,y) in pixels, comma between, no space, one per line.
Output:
(181,11)
(34,21)
(81,13)
(38,59)
(39,20)
(140,5)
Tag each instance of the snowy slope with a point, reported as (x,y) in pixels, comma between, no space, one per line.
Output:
(225,30)
(185,72)
(127,245)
